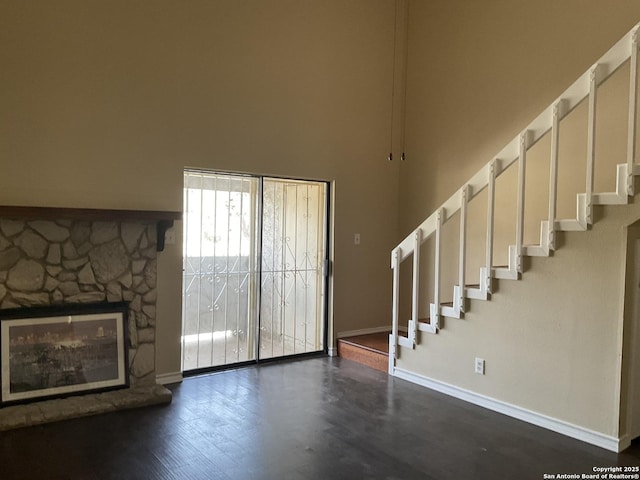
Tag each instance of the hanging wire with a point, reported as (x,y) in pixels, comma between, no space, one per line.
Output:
(403,77)
(393,80)
(405,54)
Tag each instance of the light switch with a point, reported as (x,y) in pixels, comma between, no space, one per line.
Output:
(356,239)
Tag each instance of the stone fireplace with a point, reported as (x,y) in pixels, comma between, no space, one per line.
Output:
(70,256)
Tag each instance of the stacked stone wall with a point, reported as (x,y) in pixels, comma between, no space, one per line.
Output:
(60,262)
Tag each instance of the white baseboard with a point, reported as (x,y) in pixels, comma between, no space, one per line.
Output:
(332,351)
(559,426)
(168,378)
(367,331)
(624,442)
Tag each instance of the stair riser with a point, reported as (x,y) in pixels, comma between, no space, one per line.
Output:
(375,360)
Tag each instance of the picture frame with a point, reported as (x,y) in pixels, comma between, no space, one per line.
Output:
(50,352)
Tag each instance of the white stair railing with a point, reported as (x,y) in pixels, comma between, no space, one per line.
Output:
(586,86)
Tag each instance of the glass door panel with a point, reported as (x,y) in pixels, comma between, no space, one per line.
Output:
(220,269)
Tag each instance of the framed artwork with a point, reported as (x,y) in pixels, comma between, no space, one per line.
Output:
(48,352)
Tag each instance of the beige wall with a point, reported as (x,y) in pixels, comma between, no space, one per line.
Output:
(478,73)
(103,103)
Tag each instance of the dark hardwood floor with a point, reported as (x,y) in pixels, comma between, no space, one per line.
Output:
(319,418)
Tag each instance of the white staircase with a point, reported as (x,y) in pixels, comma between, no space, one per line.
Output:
(515,153)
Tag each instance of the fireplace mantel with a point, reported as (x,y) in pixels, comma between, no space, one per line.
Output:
(164,219)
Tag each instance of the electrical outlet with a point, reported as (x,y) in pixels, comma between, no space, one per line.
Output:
(480,366)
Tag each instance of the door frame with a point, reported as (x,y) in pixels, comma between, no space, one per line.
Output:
(327,304)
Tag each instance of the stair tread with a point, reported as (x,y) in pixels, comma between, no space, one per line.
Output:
(574,220)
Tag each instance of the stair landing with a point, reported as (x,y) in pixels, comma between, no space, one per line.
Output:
(371,350)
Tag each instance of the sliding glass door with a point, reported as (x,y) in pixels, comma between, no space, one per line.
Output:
(254,256)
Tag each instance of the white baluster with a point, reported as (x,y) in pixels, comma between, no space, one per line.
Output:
(591,141)
(435,310)
(393,338)
(553,173)
(522,159)
(633,108)
(462,262)
(413,328)
(491,199)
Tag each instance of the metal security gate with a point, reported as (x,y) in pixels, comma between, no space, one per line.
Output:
(254,281)
(293,255)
